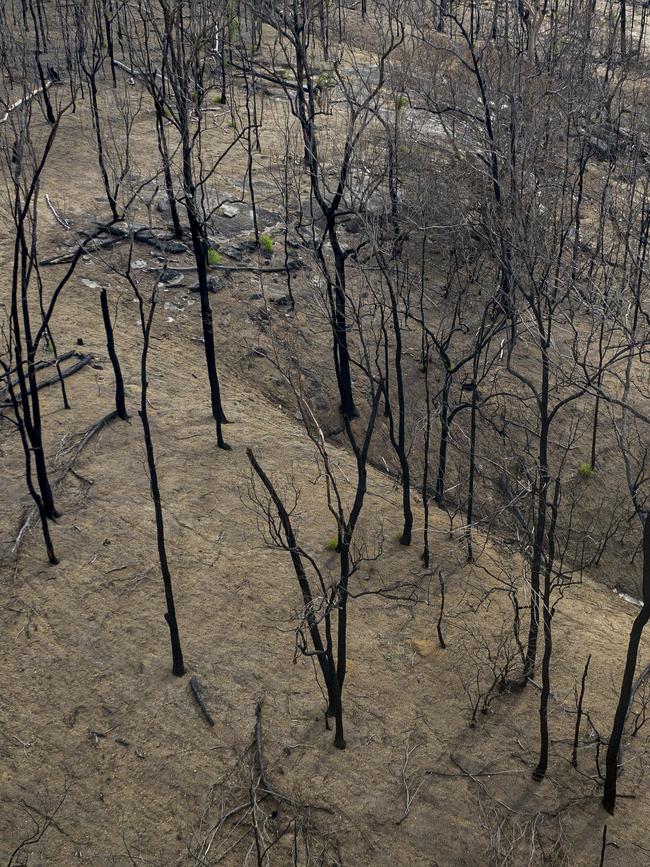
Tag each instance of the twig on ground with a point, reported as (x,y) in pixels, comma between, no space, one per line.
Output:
(196,691)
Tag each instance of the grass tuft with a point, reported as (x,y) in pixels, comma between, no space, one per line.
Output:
(585,470)
(214,257)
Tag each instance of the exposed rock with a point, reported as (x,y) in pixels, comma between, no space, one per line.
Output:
(233,251)
(171,277)
(171,245)
(159,239)
(215,284)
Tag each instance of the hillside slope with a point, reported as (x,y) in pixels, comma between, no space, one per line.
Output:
(91,710)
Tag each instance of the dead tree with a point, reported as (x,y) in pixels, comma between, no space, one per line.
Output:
(146,322)
(28,325)
(333,599)
(182,34)
(640,621)
(331,198)
(283,535)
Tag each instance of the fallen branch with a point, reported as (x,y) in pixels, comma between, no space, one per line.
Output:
(407,777)
(259,752)
(259,269)
(60,220)
(63,374)
(24,99)
(136,73)
(40,365)
(196,691)
(89,246)
(637,686)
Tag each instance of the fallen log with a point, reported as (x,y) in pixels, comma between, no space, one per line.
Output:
(258,269)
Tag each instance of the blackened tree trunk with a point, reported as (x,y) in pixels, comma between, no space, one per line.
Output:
(540,519)
(120,402)
(425,460)
(26,361)
(472,471)
(400,444)
(576,734)
(340,327)
(444,440)
(200,248)
(178,666)
(611,761)
(200,256)
(91,76)
(547,616)
(38,500)
(163,149)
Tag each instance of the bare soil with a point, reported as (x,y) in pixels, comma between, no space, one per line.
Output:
(90,712)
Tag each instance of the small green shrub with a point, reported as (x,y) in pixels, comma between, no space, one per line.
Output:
(401,102)
(332,545)
(214,257)
(266,243)
(585,470)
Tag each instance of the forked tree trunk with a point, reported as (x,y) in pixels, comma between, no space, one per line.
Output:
(324,654)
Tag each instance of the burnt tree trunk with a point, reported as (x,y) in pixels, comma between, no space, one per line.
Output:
(611,761)
(120,402)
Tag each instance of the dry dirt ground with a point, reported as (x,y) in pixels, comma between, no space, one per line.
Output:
(91,718)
